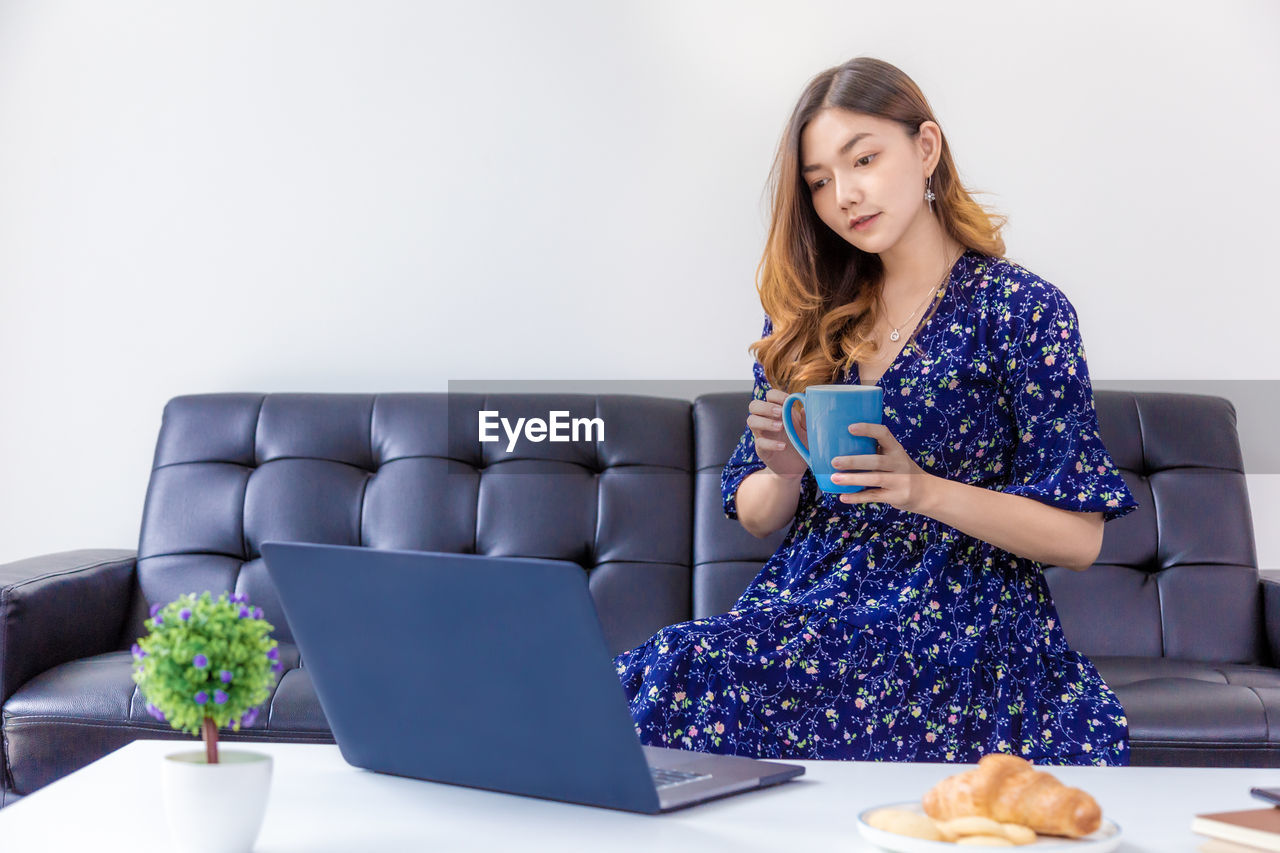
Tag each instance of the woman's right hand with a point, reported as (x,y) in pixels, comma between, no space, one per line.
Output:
(772,445)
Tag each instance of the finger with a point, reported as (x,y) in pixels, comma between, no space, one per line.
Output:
(879,432)
(865,462)
(769,439)
(776,395)
(765,442)
(761,424)
(760,407)
(863,497)
(874,479)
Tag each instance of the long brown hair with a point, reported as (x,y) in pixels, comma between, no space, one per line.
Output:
(819,291)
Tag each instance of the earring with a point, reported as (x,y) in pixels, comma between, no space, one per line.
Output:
(928,193)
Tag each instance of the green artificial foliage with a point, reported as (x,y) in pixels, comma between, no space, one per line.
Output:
(206,660)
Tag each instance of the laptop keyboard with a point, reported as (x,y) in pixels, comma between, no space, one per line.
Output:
(664,778)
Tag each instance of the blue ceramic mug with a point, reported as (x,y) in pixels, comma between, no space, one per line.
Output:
(828,412)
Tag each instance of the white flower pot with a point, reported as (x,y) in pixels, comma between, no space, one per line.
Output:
(216,808)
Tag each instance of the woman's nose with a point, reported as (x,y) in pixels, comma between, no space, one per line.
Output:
(849,193)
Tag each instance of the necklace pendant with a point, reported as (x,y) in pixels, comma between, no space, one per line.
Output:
(893,336)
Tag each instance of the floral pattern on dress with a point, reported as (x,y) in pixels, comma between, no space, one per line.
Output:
(873,633)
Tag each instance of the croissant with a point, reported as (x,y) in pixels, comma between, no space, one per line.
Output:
(1008,789)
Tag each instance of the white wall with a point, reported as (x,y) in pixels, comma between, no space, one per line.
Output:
(385,196)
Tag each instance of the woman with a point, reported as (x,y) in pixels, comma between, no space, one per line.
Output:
(911,620)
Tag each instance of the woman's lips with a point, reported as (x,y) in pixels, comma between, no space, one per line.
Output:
(866,223)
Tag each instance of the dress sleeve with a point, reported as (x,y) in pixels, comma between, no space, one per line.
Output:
(1060,459)
(744,461)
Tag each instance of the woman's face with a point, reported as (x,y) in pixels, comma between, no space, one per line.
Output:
(857,165)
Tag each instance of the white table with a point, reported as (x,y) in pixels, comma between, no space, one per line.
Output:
(320,803)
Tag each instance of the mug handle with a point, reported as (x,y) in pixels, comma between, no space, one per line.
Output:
(791,430)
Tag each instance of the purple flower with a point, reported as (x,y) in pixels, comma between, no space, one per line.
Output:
(138,652)
(219,698)
(225,675)
(277,667)
(257,613)
(200,661)
(155,712)
(201,697)
(184,614)
(155,608)
(244,613)
(274,654)
(249,716)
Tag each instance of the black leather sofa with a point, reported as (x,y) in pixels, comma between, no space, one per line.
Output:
(1173,613)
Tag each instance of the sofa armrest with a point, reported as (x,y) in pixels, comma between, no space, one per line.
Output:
(59,607)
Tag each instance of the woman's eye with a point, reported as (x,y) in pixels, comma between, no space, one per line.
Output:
(863,160)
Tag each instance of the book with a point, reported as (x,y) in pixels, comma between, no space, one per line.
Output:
(1258,828)
(1217,845)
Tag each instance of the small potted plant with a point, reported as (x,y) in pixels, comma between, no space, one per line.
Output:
(208,664)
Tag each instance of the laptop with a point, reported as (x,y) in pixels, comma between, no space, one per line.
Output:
(489,672)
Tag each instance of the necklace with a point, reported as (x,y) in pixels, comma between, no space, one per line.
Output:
(894,335)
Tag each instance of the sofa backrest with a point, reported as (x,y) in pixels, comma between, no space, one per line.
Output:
(641,510)
(1177,577)
(408,471)
(725,556)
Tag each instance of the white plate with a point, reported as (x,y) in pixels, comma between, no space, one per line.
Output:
(1105,839)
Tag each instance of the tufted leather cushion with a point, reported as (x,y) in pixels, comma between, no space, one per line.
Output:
(407,471)
(1193,713)
(89,707)
(402,471)
(725,556)
(1171,610)
(1171,613)
(1177,577)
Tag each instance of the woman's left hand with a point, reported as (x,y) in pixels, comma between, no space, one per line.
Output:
(892,476)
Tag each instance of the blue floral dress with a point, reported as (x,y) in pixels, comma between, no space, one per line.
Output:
(878,634)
